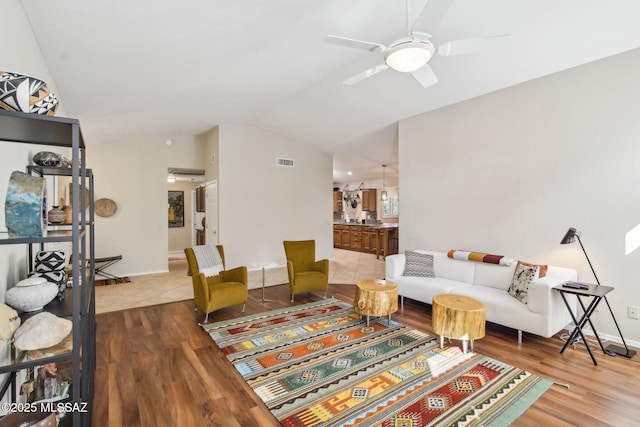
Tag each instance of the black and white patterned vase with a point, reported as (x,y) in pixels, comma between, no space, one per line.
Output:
(46,158)
(50,261)
(19,92)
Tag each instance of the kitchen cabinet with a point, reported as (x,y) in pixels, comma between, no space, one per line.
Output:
(79,302)
(337,201)
(337,238)
(370,239)
(341,236)
(381,240)
(356,238)
(388,241)
(369,198)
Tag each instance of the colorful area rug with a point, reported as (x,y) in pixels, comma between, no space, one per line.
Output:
(319,364)
(105,282)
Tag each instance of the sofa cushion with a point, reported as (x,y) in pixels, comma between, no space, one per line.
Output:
(503,309)
(522,278)
(493,276)
(418,265)
(448,268)
(425,288)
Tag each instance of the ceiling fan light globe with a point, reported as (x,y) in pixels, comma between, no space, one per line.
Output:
(408,57)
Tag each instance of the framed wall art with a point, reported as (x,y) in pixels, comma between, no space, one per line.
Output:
(176,209)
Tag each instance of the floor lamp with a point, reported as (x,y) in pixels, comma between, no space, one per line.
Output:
(611,349)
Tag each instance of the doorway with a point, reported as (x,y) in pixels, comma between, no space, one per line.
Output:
(185,182)
(198,217)
(211,208)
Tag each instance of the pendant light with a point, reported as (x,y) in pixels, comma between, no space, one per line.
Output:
(383,193)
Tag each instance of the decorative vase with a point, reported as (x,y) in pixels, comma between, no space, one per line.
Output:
(46,158)
(56,215)
(64,162)
(19,92)
(31,294)
(25,206)
(50,265)
(50,261)
(68,212)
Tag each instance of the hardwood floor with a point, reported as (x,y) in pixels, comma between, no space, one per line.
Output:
(157,367)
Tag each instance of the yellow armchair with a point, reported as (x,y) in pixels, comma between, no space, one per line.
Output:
(305,273)
(228,288)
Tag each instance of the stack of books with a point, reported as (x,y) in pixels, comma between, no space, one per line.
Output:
(575,285)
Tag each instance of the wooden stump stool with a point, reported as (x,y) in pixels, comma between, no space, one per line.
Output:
(375,298)
(458,317)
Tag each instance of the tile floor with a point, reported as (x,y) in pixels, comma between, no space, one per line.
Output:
(347,267)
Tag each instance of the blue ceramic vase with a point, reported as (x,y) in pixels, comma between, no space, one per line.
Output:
(25,206)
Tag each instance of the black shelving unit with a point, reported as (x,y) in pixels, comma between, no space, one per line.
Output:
(79,302)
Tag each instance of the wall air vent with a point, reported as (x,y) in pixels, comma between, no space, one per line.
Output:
(285,163)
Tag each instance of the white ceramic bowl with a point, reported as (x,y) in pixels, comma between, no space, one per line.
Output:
(31,294)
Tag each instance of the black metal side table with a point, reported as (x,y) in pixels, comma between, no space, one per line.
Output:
(596,293)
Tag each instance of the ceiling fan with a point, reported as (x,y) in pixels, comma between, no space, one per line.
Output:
(411,54)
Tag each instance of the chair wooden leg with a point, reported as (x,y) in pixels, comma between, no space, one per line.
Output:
(325,294)
(244,306)
(291,297)
(206,318)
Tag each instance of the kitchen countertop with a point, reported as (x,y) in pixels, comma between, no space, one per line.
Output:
(383,225)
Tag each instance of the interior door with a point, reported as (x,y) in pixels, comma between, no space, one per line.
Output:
(211,228)
(193,219)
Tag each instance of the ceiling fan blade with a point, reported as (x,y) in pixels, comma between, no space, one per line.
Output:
(459,47)
(425,76)
(358,44)
(433,13)
(365,74)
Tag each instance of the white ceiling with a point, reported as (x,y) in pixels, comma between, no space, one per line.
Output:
(174,67)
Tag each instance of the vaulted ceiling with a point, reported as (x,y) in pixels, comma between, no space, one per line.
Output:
(174,67)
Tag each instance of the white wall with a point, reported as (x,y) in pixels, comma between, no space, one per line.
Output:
(20,55)
(511,171)
(133,173)
(261,205)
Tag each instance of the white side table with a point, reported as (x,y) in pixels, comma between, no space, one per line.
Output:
(263,266)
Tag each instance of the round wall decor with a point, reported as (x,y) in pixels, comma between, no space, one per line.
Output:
(105,207)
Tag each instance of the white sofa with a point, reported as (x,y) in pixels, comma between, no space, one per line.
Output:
(544,314)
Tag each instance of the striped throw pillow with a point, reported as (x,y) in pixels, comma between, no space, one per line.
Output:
(418,265)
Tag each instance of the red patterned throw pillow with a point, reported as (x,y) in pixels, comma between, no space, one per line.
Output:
(542,269)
